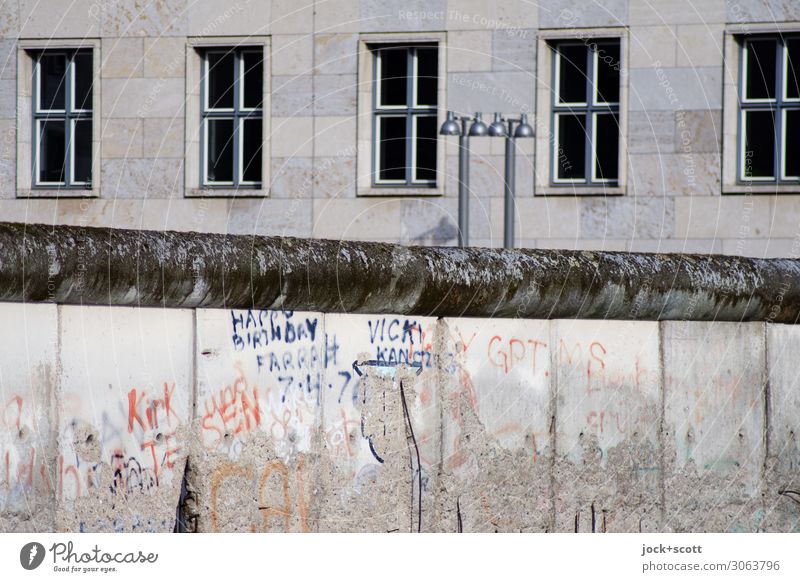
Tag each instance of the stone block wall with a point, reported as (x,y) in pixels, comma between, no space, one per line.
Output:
(124,419)
(676,69)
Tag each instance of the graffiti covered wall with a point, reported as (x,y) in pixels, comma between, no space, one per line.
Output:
(131,419)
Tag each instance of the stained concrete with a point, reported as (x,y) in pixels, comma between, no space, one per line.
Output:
(309,421)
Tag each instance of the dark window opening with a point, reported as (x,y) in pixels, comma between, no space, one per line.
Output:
(769,101)
(585,119)
(232,124)
(404,111)
(62,118)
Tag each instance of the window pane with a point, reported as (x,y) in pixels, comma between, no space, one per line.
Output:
(52,69)
(427,76)
(793,68)
(760,69)
(251,150)
(220,80)
(83,80)
(759,146)
(572,74)
(392,148)
(82,156)
(607,147)
(608,67)
(571,147)
(426,148)
(220,150)
(51,151)
(253,92)
(792,132)
(394,71)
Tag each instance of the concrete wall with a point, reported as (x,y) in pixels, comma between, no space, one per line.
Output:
(107,413)
(672,201)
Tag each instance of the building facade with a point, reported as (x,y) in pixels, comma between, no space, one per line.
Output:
(660,126)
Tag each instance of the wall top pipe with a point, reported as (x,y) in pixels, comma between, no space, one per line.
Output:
(99,266)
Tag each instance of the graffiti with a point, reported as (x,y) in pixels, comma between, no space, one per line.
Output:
(140,403)
(395,343)
(273,490)
(506,354)
(256,329)
(233,410)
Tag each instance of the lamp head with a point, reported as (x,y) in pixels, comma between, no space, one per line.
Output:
(523,129)
(497,128)
(478,127)
(450,126)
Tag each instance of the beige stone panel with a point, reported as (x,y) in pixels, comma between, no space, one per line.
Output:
(266,217)
(549,217)
(785,216)
(469,51)
(143,97)
(473,14)
(292,16)
(574,244)
(163,137)
(649,44)
(58,19)
(195,214)
(215,18)
(721,217)
(700,45)
(357,219)
(334,136)
(122,57)
(762,248)
(121,138)
(292,136)
(690,174)
(292,54)
(165,57)
(337,16)
(676,12)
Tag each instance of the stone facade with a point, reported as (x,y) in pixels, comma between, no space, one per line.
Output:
(676,132)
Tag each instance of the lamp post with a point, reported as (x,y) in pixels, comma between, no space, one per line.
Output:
(478,128)
(523,130)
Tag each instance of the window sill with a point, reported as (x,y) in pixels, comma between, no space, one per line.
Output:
(57,193)
(569,190)
(756,188)
(395,191)
(227,193)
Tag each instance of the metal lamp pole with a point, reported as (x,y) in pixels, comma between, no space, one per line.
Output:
(498,128)
(477,129)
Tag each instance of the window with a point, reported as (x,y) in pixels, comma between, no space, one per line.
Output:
(62,119)
(585,112)
(405,126)
(232,117)
(769,120)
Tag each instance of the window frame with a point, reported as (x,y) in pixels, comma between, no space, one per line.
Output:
(590,108)
(238,114)
(412,111)
(778,106)
(70,115)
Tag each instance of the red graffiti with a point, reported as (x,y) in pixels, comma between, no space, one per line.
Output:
(234,409)
(140,403)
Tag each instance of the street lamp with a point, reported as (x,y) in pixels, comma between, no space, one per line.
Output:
(498,128)
(523,130)
(451,127)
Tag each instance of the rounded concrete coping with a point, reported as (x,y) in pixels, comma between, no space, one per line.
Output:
(101,266)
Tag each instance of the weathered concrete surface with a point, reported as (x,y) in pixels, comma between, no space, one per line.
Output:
(607,471)
(782,471)
(714,426)
(124,400)
(28,480)
(262,420)
(76,265)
